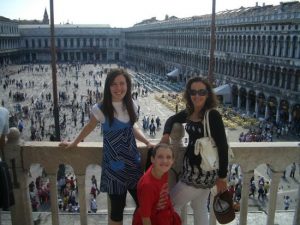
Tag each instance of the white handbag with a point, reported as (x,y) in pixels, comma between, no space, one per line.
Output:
(206,146)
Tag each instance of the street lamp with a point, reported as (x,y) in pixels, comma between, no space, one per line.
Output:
(212,44)
(54,81)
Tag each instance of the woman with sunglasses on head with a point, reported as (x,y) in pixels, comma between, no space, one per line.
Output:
(194,183)
(121,165)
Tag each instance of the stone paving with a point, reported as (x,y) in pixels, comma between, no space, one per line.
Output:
(149,107)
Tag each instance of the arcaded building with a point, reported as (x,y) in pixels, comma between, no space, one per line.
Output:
(84,43)
(10,41)
(257,52)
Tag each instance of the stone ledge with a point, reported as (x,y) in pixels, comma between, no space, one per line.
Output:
(254,218)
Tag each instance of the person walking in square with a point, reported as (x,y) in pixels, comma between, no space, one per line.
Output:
(293,170)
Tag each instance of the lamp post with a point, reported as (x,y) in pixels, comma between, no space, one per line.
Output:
(212,44)
(54,81)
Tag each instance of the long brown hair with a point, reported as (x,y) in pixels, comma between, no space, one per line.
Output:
(107,107)
(211,101)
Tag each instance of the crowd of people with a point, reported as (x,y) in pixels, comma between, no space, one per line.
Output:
(266,131)
(39,192)
(151,124)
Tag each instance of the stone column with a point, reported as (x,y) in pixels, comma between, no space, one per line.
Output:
(239,101)
(277,112)
(297,211)
(291,112)
(267,109)
(176,142)
(53,198)
(21,211)
(176,136)
(273,197)
(256,104)
(82,199)
(272,46)
(285,46)
(245,195)
(212,216)
(247,104)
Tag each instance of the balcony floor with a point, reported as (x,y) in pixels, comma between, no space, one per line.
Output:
(254,218)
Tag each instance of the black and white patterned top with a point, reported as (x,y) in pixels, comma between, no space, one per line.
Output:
(192,174)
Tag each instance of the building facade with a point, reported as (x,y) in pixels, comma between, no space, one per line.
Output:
(10,42)
(257,52)
(85,43)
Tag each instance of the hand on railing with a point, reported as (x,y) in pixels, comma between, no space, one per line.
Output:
(165,139)
(150,145)
(67,145)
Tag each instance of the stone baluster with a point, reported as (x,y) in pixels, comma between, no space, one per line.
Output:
(245,195)
(176,136)
(82,199)
(21,211)
(176,142)
(297,211)
(212,217)
(273,197)
(53,198)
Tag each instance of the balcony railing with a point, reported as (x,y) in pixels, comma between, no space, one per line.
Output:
(21,155)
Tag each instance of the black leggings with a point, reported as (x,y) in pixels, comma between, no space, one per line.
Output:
(118,203)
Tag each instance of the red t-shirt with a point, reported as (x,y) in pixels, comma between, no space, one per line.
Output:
(153,197)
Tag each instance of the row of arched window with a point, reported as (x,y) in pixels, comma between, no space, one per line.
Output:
(73,42)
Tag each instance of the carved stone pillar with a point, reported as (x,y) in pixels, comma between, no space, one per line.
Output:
(247,104)
(176,142)
(297,212)
(21,211)
(245,196)
(273,197)
(82,199)
(291,111)
(239,101)
(53,198)
(277,112)
(256,103)
(176,136)
(266,110)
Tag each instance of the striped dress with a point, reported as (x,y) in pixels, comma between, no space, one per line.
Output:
(121,165)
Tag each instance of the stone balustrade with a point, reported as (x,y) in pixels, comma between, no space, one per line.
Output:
(21,155)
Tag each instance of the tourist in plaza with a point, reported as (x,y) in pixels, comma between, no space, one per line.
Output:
(121,166)
(93,205)
(293,170)
(94,183)
(287,202)
(194,184)
(155,205)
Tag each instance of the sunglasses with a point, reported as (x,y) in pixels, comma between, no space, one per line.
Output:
(200,92)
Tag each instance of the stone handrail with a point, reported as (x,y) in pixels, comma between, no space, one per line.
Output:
(21,155)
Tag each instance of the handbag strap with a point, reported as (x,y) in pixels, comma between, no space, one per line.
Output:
(206,125)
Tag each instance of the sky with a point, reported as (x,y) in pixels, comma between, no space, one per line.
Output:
(118,13)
